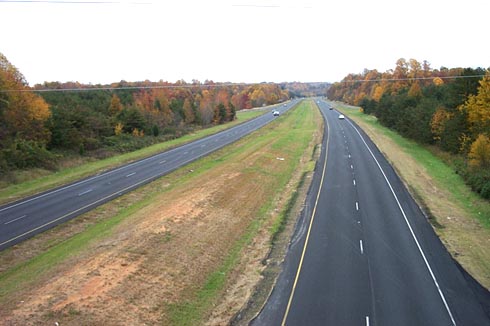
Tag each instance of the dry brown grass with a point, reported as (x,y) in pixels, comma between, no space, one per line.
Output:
(161,255)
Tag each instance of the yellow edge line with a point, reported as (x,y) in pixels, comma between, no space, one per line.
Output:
(309,231)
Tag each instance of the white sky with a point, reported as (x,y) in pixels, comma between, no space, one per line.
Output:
(238,40)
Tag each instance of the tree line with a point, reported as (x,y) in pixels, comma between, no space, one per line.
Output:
(445,108)
(40,124)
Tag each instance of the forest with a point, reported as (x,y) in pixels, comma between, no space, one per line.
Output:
(40,125)
(447,109)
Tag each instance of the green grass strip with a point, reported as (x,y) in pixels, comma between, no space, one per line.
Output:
(21,276)
(71,174)
(29,272)
(299,131)
(442,173)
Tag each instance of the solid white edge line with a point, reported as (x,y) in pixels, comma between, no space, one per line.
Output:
(409,227)
(167,152)
(77,210)
(113,194)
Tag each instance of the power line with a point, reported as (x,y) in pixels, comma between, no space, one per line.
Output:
(108,88)
(409,79)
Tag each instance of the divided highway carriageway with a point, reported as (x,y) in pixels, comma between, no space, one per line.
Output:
(25,218)
(363,253)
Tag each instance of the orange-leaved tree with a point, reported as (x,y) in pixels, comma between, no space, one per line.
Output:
(22,113)
(189,116)
(438,122)
(115,107)
(23,117)
(479,155)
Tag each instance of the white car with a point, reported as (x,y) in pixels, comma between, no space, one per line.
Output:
(275,113)
(341,117)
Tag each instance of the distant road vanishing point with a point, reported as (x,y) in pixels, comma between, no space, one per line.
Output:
(25,218)
(366,255)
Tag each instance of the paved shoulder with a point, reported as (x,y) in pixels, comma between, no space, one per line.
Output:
(369,257)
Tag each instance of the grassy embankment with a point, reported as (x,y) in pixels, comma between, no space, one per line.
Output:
(459,216)
(262,166)
(49,180)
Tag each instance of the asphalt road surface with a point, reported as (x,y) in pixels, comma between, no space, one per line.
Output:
(363,253)
(23,219)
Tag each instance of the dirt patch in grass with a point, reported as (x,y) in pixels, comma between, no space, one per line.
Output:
(149,261)
(464,237)
(160,256)
(261,261)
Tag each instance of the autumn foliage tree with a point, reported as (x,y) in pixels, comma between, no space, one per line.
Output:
(99,120)
(23,135)
(478,176)
(115,106)
(449,108)
(479,155)
(477,108)
(438,122)
(189,115)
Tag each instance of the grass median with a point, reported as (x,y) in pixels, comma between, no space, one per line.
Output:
(167,252)
(460,217)
(64,176)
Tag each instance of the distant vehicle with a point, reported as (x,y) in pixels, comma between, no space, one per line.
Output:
(330,108)
(284,104)
(275,113)
(341,117)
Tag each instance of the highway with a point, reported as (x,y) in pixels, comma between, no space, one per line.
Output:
(363,253)
(25,218)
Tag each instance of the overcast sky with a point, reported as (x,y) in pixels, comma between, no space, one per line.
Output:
(237,40)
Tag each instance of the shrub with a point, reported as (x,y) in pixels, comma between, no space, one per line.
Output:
(155,130)
(485,191)
(23,154)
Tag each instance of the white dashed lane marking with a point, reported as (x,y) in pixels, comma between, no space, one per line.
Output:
(15,219)
(85,192)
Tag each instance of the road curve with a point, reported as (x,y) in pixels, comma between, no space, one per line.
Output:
(25,218)
(363,252)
